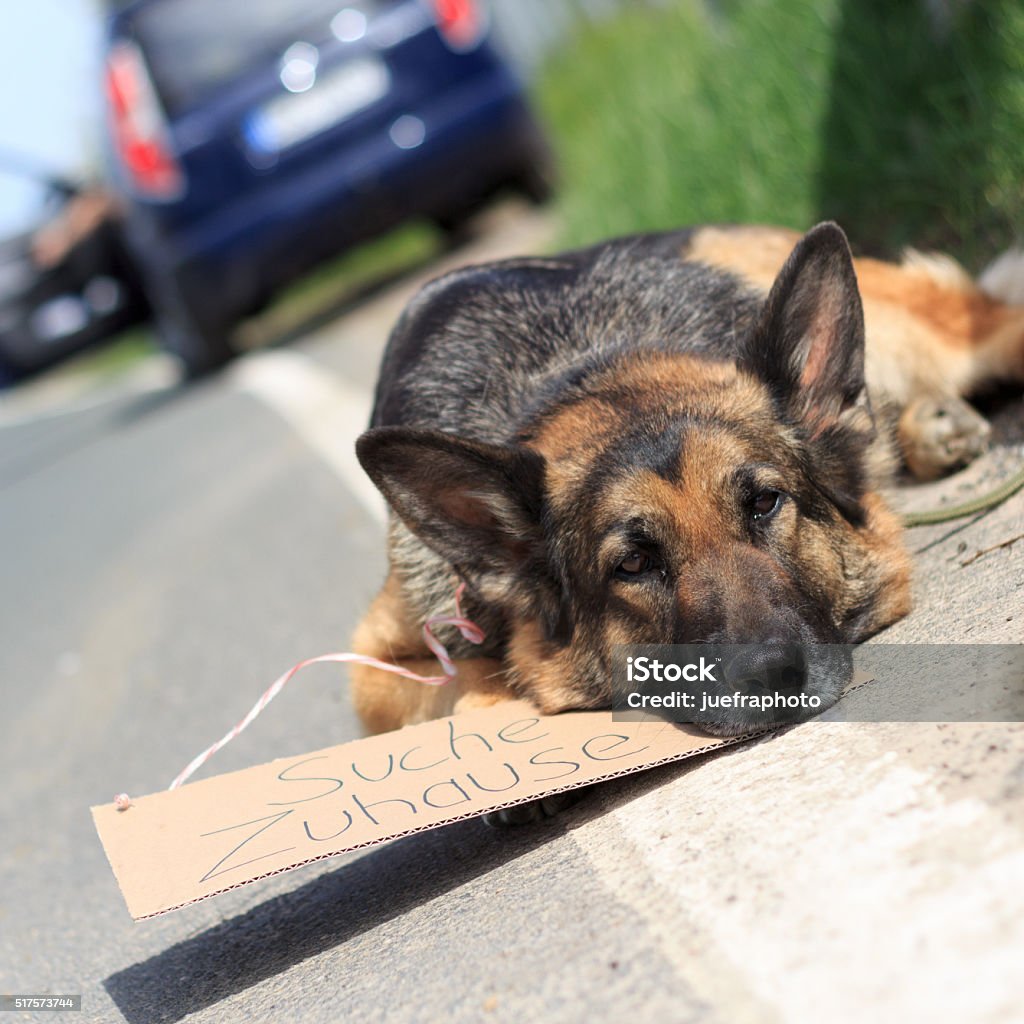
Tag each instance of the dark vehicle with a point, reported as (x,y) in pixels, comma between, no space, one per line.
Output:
(252,139)
(65,283)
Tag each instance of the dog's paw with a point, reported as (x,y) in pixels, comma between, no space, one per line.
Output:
(534,811)
(938,435)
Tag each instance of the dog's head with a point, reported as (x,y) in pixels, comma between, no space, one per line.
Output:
(669,498)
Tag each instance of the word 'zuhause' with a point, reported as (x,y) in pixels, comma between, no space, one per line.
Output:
(324,800)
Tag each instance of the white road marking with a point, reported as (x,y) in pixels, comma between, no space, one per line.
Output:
(320,407)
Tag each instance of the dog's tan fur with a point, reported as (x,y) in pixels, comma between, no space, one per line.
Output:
(932,332)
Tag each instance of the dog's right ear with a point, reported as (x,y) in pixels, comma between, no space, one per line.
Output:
(808,345)
(477,505)
(809,348)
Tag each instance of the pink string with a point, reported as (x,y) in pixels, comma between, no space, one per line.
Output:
(469,629)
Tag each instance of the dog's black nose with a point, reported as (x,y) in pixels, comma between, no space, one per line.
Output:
(766,668)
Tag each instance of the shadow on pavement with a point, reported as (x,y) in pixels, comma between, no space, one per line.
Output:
(28,447)
(324,913)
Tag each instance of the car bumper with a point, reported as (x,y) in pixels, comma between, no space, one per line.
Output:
(471,143)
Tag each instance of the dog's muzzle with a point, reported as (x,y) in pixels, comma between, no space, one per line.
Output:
(770,667)
(774,683)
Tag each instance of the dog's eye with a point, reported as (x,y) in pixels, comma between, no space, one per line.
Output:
(765,504)
(634,564)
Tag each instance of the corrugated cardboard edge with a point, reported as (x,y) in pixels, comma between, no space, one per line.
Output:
(715,744)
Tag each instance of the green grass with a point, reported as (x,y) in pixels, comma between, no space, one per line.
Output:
(791,111)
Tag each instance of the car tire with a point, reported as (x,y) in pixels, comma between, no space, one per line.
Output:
(537,181)
(198,338)
(457,226)
(537,177)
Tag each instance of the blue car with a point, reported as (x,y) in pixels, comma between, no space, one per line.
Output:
(251,139)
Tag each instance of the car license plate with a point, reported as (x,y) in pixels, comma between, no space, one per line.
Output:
(336,96)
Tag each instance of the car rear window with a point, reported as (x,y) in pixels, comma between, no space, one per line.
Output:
(194,46)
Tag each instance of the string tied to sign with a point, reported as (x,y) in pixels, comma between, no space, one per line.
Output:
(469,630)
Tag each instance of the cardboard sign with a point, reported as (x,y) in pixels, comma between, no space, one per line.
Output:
(180,846)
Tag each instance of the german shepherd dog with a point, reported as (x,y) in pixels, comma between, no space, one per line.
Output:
(670,438)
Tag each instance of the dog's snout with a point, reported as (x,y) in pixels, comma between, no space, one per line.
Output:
(774,667)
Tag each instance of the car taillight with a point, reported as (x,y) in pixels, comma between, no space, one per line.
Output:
(139,128)
(460,22)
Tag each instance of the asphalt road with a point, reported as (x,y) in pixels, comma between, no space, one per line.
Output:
(166,552)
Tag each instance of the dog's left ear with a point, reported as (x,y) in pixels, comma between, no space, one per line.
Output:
(808,344)
(477,505)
